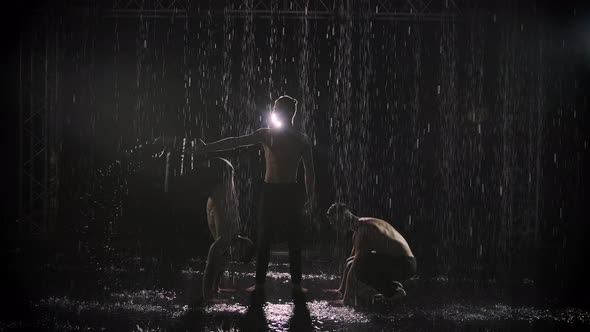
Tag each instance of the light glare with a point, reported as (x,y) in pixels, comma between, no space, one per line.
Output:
(275,120)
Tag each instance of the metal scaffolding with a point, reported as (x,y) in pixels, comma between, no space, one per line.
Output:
(38,70)
(37,111)
(394,10)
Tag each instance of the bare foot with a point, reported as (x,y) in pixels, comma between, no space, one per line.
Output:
(226,290)
(349,302)
(378,297)
(332,291)
(298,288)
(216,301)
(337,303)
(255,287)
(400,293)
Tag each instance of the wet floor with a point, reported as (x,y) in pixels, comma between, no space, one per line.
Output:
(139,294)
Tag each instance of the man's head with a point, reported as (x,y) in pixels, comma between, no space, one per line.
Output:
(338,214)
(243,250)
(284,111)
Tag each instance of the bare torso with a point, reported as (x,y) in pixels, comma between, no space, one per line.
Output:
(283,150)
(379,236)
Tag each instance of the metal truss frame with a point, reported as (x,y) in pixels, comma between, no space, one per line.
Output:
(39,73)
(37,101)
(393,10)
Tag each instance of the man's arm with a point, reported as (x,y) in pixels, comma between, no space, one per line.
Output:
(360,241)
(359,248)
(350,287)
(352,252)
(309,172)
(230,143)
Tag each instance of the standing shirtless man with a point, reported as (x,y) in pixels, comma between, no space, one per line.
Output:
(380,256)
(282,200)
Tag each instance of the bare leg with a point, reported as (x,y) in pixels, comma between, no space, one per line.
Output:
(210,276)
(351,285)
(220,272)
(262,257)
(220,276)
(345,274)
(214,268)
(212,218)
(340,288)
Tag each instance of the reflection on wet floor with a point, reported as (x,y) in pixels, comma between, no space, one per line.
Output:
(141,301)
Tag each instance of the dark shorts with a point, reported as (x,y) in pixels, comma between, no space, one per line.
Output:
(281,212)
(383,272)
(281,220)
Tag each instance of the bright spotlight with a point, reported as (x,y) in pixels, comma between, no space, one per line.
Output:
(275,120)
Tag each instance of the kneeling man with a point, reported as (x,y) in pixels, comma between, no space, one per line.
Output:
(380,256)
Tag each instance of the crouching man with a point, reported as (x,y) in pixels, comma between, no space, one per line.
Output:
(381,258)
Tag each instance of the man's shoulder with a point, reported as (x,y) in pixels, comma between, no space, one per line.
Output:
(369,220)
(262,134)
(376,223)
(262,131)
(297,136)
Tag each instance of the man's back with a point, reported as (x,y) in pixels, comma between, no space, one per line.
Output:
(283,150)
(382,237)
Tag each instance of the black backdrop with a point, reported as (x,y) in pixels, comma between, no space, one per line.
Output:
(470,136)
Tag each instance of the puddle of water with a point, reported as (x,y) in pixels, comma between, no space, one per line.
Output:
(126,300)
(65,304)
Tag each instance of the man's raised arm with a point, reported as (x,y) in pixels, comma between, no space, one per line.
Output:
(230,143)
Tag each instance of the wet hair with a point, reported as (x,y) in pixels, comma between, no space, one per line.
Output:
(336,210)
(286,107)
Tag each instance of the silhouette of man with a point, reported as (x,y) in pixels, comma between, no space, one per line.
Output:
(282,200)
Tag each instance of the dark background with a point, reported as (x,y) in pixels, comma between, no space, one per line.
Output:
(469,136)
